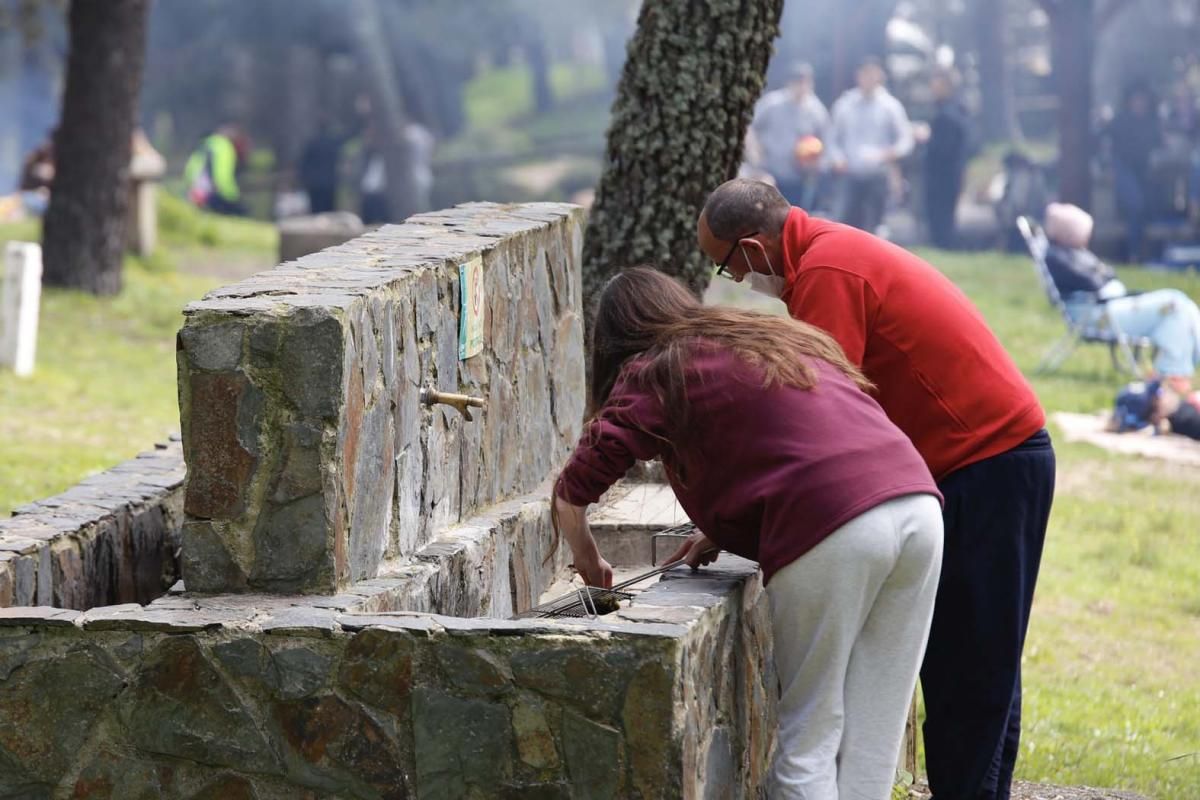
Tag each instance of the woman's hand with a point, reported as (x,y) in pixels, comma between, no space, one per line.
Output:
(696,551)
(572,522)
(595,572)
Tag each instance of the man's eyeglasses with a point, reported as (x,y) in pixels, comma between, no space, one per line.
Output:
(723,267)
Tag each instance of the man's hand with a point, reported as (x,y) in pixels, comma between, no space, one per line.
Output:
(696,551)
(596,572)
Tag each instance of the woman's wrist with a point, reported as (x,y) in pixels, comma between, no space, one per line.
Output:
(573,524)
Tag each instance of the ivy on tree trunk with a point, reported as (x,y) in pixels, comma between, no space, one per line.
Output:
(686,96)
(84,232)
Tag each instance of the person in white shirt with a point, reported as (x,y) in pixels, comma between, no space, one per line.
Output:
(869,133)
(787,137)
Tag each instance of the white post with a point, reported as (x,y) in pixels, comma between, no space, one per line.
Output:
(20,296)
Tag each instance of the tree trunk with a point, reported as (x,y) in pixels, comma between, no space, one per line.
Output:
(685,98)
(387,106)
(1072,34)
(999,120)
(84,232)
(539,68)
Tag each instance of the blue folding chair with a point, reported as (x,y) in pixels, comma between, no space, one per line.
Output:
(1125,351)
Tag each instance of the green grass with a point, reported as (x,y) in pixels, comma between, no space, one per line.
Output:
(1112,667)
(500,118)
(181,225)
(104,384)
(503,96)
(1112,663)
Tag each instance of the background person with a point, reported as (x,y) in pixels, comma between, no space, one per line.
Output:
(1091,291)
(374,206)
(943,379)
(946,155)
(762,424)
(1024,193)
(1135,134)
(37,177)
(320,164)
(788,134)
(869,133)
(211,173)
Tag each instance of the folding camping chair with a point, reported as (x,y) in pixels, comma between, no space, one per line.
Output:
(1124,350)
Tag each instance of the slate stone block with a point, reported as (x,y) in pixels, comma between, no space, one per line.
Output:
(329,737)
(292,548)
(42,723)
(181,706)
(207,563)
(593,757)
(219,465)
(215,347)
(462,747)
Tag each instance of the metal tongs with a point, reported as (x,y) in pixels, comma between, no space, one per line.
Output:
(585,592)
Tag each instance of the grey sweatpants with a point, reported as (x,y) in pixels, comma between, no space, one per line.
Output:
(850,619)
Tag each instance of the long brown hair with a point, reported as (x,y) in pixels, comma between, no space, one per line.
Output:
(645,314)
(649,315)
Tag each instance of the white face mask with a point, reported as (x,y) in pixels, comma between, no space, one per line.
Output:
(769,285)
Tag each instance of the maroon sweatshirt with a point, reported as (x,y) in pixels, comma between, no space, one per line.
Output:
(766,473)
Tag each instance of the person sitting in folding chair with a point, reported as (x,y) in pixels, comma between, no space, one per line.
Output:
(1090,290)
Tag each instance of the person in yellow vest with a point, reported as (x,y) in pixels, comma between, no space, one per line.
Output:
(211,173)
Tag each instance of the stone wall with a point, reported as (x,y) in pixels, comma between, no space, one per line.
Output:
(113,538)
(664,700)
(310,458)
(332,526)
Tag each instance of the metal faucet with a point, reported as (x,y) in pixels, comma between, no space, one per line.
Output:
(462,402)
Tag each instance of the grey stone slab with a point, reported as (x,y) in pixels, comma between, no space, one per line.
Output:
(300,621)
(27,528)
(133,617)
(16,544)
(416,623)
(44,616)
(679,615)
(298,671)
(214,347)
(679,599)
(181,706)
(699,583)
(462,747)
(25,579)
(653,630)
(341,602)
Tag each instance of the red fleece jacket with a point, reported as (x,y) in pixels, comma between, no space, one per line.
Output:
(942,376)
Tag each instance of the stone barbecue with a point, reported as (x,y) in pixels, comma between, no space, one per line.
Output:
(353,560)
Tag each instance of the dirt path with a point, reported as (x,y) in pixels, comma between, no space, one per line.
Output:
(1023,790)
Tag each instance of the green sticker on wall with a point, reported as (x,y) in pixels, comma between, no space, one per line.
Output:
(470,311)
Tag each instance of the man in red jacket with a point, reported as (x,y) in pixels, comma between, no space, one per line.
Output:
(943,379)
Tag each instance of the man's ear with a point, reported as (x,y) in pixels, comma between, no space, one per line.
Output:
(756,247)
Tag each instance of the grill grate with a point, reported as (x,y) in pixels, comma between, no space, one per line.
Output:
(591,601)
(587,601)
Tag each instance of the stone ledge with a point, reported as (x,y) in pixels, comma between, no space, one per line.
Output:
(418,594)
(395,697)
(111,538)
(391,699)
